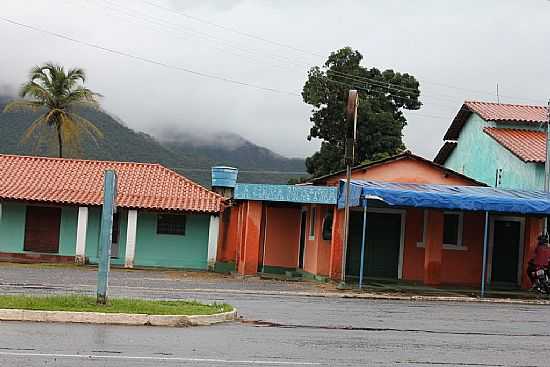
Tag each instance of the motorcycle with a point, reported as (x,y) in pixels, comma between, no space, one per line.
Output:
(540,276)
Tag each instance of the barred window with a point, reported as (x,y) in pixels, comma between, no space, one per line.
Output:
(171,224)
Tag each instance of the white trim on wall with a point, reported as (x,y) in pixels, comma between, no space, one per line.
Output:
(213,233)
(81,231)
(131,234)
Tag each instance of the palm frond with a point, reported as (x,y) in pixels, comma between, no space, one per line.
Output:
(36,91)
(23,105)
(88,127)
(36,124)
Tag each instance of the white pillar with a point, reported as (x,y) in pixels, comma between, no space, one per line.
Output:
(131,232)
(81,229)
(213,232)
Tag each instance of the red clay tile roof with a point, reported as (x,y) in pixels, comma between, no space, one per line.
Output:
(528,145)
(80,182)
(500,112)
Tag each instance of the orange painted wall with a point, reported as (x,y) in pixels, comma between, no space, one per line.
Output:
(310,253)
(405,170)
(464,267)
(317,252)
(323,246)
(251,238)
(229,235)
(282,236)
(335,267)
(413,256)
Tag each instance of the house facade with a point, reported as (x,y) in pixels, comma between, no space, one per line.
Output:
(501,145)
(50,211)
(267,232)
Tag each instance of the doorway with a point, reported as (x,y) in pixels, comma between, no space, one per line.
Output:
(115,236)
(42,226)
(506,248)
(303,234)
(383,248)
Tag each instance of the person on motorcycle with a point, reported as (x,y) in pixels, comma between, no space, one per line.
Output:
(541,258)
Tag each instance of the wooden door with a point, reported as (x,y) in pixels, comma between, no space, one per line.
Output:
(506,245)
(42,229)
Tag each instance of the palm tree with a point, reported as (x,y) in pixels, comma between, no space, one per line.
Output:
(59,94)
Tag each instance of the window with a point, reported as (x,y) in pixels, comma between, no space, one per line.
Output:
(452,231)
(312,214)
(327,227)
(171,224)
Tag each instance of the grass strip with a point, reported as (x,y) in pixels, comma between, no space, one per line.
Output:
(115,305)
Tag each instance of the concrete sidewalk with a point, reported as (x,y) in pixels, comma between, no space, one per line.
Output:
(48,279)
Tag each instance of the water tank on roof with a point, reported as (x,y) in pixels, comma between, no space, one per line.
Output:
(224,180)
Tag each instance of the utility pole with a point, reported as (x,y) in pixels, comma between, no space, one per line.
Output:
(547,162)
(349,155)
(106,235)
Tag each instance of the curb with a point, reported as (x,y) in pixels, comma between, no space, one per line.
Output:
(116,318)
(365,296)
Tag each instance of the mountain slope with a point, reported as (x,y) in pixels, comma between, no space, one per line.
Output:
(124,144)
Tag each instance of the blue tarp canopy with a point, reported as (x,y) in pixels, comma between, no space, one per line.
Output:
(468,198)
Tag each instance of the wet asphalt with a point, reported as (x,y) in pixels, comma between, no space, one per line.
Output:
(275,330)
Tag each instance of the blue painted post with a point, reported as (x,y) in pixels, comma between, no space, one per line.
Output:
(484,265)
(363,239)
(106,235)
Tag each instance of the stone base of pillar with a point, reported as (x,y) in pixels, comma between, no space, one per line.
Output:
(80,260)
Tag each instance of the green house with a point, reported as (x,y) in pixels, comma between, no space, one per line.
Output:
(50,212)
(502,145)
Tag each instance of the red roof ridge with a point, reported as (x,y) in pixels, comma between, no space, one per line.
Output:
(81,160)
(505,104)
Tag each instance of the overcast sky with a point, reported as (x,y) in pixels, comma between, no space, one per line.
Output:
(457,49)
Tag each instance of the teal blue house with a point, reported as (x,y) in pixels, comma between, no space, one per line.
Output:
(50,211)
(501,145)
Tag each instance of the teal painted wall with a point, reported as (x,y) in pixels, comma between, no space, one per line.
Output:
(478,155)
(92,236)
(12,227)
(188,251)
(67,231)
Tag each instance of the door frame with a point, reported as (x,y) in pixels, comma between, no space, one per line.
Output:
(492,220)
(304,209)
(403,214)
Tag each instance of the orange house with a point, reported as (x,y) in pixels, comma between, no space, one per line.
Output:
(413,244)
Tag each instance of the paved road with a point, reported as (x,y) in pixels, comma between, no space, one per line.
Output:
(298,331)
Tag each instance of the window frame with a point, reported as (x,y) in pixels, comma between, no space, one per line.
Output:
(446,246)
(312,220)
(328,214)
(160,215)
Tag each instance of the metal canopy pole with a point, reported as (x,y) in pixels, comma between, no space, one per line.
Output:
(363,239)
(484,265)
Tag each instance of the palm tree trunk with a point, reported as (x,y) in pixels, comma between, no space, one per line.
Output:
(60,143)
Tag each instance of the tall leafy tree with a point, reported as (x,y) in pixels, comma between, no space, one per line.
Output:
(380,120)
(58,95)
